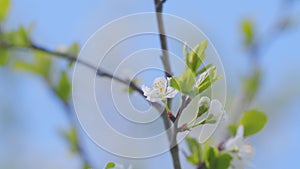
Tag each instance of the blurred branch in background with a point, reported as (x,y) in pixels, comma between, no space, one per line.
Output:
(257,45)
(20,40)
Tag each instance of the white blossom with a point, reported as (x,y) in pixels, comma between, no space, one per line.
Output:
(160,90)
(205,101)
(241,151)
(215,109)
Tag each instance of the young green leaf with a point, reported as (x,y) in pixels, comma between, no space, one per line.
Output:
(247,29)
(41,65)
(4,57)
(4,8)
(175,84)
(232,129)
(253,121)
(110,165)
(18,37)
(211,156)
(195,150)
(129,89)
(224,161)
(21,65)
(218,160)
(73,49)
(63,89)
(196,56)
(186,81)
(71,137)
(204,69)
(86,166)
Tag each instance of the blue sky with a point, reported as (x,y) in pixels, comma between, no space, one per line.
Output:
(63,22)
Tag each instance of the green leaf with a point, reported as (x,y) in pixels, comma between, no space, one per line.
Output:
(195,150)
(110,165)
(175,84)
(18,37)
(129,89)
(63,89)
(4,8)
(253,121)
(224,161)
(216,160)
(86,166)
(73,49)
(247,29)
(21,65)
(209,80)
(4,57)
(211,155)
(232,129)
(186,81)
(204,69)
(202,109)
(41,65)
(196,56)
(71,137)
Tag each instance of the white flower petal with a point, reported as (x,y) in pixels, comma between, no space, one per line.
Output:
(243,152)
(160,90)
(160,82)
(246,151)
(230,144)
(205,101)
(240,132)
(146,90)
(171,92)
(152,99)
(216,109)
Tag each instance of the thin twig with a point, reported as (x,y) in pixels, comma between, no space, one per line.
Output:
(162,37)
(99,72)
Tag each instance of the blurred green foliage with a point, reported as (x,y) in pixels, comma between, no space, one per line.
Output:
(110,165)
(217,160)
(196,151)
(63,88)
(187,82)
(206,157)
(41,65)
(72,139)
(4,8)
(248,31)
(4,56)
(253,122)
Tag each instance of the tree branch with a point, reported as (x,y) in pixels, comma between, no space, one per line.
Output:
(168,73)
(256,51)
(100,72)
(162,36)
